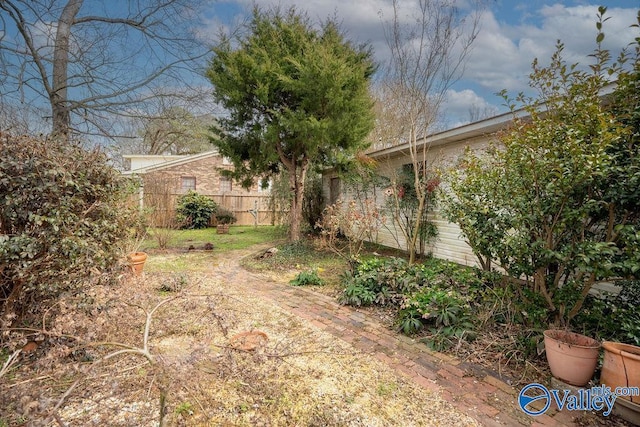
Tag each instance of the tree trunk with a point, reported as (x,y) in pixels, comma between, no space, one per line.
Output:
(58,96)
(296,184)
(417,223)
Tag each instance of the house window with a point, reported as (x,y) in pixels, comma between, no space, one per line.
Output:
(225,185)
(408,168)
(188,183)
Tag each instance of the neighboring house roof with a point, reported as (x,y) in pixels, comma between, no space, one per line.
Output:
(170,162)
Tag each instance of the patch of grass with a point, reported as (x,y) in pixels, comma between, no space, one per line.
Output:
(239,237)
(180,262)
(178,258)
(386,388)
(184,409)
(300,256)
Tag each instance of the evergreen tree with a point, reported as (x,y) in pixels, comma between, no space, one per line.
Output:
(295,94)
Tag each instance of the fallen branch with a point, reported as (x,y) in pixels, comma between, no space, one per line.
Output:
(127,349)
(9,362)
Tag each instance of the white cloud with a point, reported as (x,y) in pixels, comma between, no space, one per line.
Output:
(503,53)
(465,106)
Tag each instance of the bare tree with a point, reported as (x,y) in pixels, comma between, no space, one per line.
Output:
(477,112)
(429,48)
(20,121)
(88,62)
(389,129)
(176,131)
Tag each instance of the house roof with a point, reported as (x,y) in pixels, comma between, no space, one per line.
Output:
(465,132)
(483,127)
(175,161)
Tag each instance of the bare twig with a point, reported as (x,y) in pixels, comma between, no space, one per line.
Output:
(126,349)
(9,362)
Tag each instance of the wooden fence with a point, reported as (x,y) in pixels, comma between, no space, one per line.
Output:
(249,209)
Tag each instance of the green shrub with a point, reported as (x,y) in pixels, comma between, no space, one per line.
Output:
(63,216)
(306,278)
(184,409)
(613,317)
(435,307)
(557,206)
(225,216)
(446,312)
(387,279)
(358,295)
(392,279)
(195,210)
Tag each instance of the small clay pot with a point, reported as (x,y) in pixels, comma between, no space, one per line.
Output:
(136,262)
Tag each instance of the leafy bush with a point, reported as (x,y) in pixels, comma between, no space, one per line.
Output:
(195,210)
(63,216)
(557,206)
(613,317)
(427,296)
(305,278)
(388,280)
(357,294)
(391,280)
(225,216)
(445,311)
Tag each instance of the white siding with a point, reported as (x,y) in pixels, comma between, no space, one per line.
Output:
(141,161)
(448,244)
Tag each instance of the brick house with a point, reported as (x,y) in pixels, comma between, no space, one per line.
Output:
(164,178)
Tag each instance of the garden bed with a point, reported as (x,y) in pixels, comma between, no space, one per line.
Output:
(500,330)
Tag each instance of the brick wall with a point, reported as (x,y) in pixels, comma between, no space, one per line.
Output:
(208,182)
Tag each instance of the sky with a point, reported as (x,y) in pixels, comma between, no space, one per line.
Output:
(512,34)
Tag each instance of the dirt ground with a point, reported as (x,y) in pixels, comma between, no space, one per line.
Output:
(160,350)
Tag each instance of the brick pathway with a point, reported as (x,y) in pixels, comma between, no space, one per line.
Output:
(472,389)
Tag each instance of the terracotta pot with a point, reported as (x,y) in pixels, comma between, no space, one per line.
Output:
(572,357)
(136,261)
(627,410)
(621,367)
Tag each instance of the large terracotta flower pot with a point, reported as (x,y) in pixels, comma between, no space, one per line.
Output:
(136,261)
(572,357)
(621,367)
